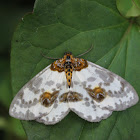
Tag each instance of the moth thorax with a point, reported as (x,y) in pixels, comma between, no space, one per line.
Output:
(68,73)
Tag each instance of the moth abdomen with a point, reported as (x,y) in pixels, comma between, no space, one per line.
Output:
(68,73)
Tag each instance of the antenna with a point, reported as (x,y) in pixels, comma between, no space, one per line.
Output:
(76,56)
(86,51)
(49,57)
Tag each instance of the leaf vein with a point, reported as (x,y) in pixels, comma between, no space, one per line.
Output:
(81,130)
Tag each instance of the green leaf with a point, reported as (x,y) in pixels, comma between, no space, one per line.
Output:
(57,26)
(5,100)
(137,3)
(129,8)
(5,85)
(138,20)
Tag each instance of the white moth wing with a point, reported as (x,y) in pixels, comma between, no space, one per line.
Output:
(120,94)
(85,108)
(26,104)
(59,110)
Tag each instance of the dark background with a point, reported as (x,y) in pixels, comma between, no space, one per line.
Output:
(11,12)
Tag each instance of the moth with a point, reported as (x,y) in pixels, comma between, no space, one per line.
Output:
(72,84)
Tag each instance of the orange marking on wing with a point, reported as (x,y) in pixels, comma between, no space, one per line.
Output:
(72,97)
(97,93)
(47,98)
(63,97)
(97,90)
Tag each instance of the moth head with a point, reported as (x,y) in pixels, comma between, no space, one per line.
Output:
(67,55)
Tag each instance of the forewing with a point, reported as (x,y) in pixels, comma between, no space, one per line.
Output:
(28,104)
(58,65)
(85,107)
(79,63)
